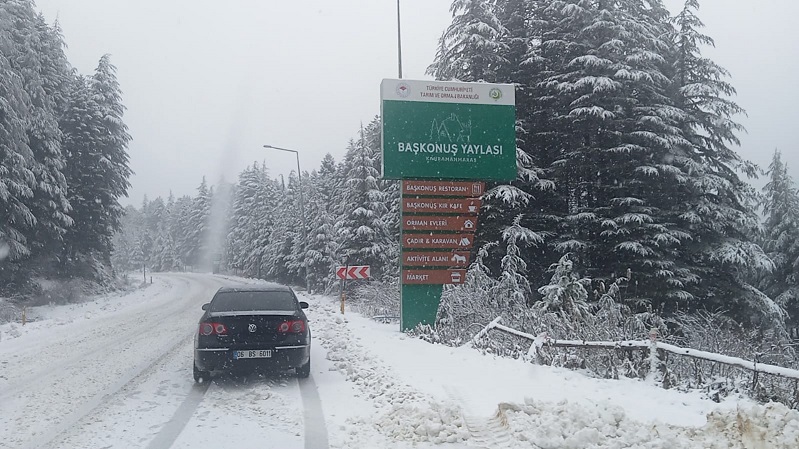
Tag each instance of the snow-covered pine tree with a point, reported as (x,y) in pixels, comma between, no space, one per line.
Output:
(322,243)
(168,256)
(504,27)
(154,230)
(123,241)
(155,259)
(145,235)
(263,218)
(222,198)
(605,111)
(299,252)
(364,231)
(45,72)
(52,129)
(33,204)
(514,287)
(781,238)
(197,225)
(567,295)
(391,194)
(113,143)
(471,48)
(599,119)
(16,176)
(282,259)
(240,239)
(81,128)
(137,258)
(155,214)
(709,204)
(95,144)
(164,257)
(180,229)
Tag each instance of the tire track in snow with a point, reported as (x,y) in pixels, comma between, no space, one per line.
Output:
(315,429)
(126,382)
(491,432)
(172,429)
(488,432)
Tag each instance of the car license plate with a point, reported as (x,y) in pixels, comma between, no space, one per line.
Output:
(253,354)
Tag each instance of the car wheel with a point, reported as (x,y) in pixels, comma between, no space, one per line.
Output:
(201,376)
(304,370)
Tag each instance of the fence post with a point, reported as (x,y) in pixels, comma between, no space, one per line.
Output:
(535,348)
(755,376)
(653,355)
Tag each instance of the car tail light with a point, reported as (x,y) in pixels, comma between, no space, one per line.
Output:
(293,327)
(213,329)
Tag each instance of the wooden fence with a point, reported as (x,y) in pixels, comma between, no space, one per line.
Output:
(657,350)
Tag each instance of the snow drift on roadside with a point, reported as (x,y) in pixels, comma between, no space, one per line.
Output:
(413,407)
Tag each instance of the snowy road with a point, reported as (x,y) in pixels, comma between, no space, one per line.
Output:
(119,375)
(116,373)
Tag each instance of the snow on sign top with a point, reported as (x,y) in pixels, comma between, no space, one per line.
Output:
(448,92)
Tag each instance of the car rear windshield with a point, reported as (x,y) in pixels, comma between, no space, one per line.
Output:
(242,301)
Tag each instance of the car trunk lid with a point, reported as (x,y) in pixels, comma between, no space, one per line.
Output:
(248,328)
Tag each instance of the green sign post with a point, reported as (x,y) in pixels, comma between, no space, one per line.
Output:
(435,132)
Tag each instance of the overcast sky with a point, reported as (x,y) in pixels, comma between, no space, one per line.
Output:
(208,83)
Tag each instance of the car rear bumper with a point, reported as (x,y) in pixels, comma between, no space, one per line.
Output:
(283,357)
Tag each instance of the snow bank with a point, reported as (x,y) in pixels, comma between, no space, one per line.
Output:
(403,413)
(419,391)
(561,425)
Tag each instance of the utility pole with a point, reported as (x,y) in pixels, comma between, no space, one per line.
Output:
(399,41)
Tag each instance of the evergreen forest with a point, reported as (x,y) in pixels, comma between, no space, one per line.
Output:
(629,185)
(63,158)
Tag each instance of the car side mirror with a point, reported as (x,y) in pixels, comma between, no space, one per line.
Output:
(303,305)
(205,306)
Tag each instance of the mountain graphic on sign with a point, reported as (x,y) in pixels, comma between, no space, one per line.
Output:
(451,129)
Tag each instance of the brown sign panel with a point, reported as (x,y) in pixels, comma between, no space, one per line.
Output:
(433,259)
(433,276)
(443,188)
(439,223)
(467,206)
(438,241)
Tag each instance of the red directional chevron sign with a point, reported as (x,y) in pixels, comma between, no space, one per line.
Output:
(353,272)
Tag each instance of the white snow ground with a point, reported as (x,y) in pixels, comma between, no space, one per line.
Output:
(116,373)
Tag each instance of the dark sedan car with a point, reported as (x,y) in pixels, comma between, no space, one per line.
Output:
(253,327)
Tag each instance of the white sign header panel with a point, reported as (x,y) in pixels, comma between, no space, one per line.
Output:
(448,92)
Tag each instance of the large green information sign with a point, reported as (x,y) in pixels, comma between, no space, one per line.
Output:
(444,130)
(442,139)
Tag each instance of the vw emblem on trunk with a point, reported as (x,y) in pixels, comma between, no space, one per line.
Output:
(252,328)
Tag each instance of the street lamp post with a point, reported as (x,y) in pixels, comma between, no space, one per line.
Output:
(302,208)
